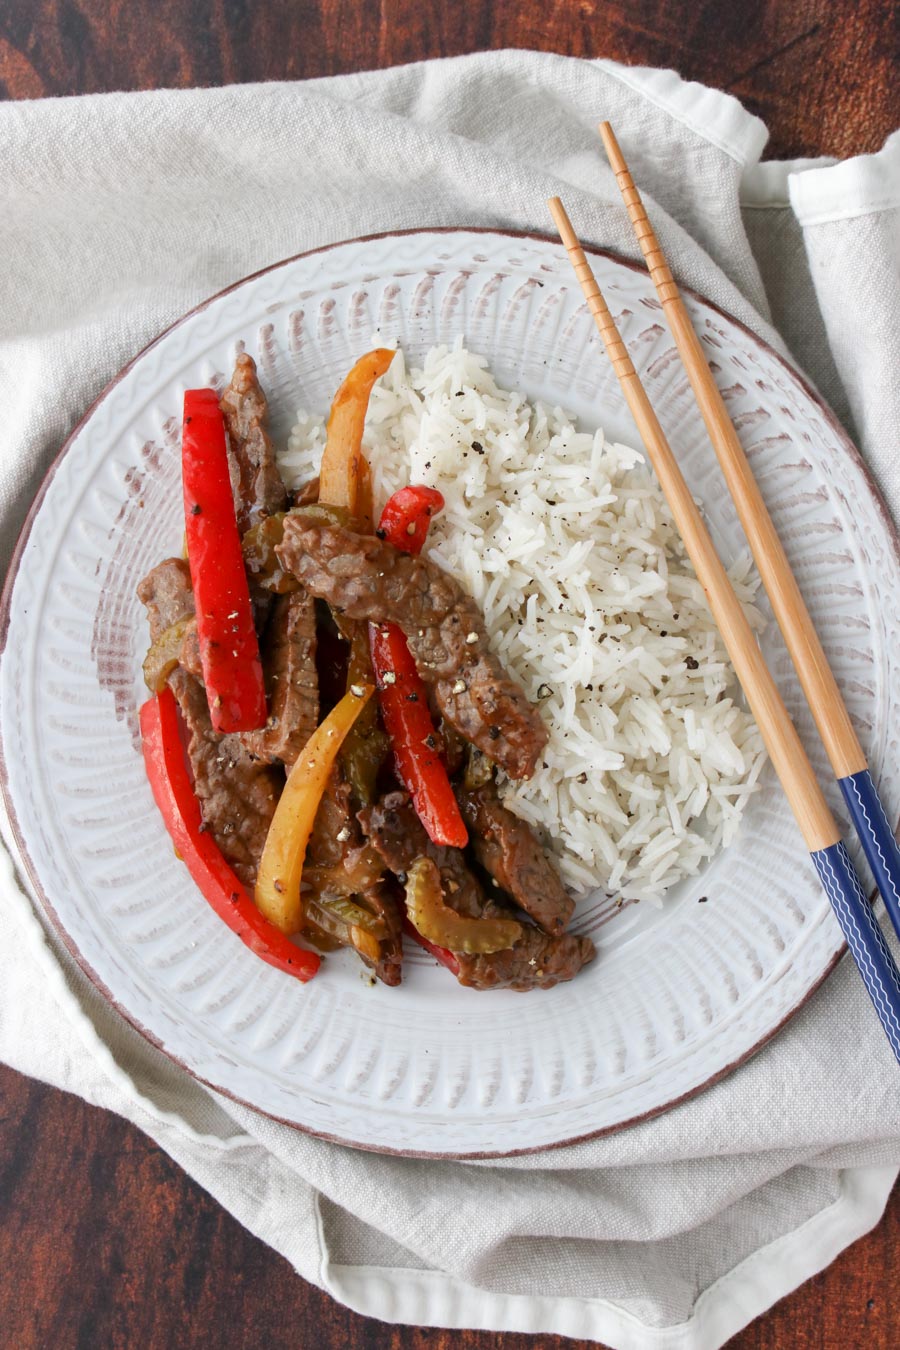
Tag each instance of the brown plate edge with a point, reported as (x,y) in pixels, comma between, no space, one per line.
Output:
(5,613)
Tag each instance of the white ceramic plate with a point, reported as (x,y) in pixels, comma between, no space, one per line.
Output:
(676,997)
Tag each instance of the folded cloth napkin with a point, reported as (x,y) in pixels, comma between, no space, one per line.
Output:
(122,211)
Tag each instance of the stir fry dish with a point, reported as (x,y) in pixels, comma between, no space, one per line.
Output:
(327,717)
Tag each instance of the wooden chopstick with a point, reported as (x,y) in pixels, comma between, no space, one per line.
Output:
(815,674)
(817,825)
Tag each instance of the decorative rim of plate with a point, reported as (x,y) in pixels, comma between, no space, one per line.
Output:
(46,904)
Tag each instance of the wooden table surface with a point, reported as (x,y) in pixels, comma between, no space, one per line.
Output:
(103,1241)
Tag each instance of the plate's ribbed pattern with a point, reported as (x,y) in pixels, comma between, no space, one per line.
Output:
(676,996)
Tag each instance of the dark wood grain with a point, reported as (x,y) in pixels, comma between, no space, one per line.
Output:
(818,71)
(104,1242)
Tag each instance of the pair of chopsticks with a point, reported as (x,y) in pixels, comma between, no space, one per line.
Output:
(817,825)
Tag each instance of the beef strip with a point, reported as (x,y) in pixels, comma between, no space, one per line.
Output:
(292,688)
(395,831)
(454,746)
(237,793)
(259,490)
(167,593)
(335,836)
(508,850)
(334,817)
(367,578)
(537,960)
(382,902)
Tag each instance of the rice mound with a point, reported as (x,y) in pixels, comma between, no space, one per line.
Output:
(566,542)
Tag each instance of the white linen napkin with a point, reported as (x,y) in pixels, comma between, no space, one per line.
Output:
(122,211)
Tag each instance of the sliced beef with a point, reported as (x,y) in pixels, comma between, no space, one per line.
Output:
(508,850)
(335,832)
(537,961)
(367,578)
(292,687)
(382,902)
(454,746)
(335,837)
(259,490)
(238,794)
(394,829)
(167,593)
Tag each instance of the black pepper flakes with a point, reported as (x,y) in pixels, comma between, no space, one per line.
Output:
(494,733)
(691,663)
(196,509)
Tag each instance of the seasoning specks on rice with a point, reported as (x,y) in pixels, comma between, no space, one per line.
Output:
(564,540)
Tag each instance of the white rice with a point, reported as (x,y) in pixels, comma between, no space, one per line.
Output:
(565,541)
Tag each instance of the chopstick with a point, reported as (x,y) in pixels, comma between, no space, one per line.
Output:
(817,825)
(816,677)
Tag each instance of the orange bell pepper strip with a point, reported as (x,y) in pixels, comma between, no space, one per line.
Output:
(339,474)
(345,480)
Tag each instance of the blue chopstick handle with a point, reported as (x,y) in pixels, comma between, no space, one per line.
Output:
(864,938)
(877,839)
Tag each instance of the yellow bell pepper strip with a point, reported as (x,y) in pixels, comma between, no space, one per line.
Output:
(442,926)
(339,474)
(280,869)
(402,696)
(229,649)
(173,791)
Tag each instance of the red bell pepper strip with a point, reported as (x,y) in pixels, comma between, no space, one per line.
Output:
(401,694)
(441,954)
(229,650)
(407,516)
(170,783)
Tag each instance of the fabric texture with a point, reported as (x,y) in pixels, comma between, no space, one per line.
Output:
(123,211)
